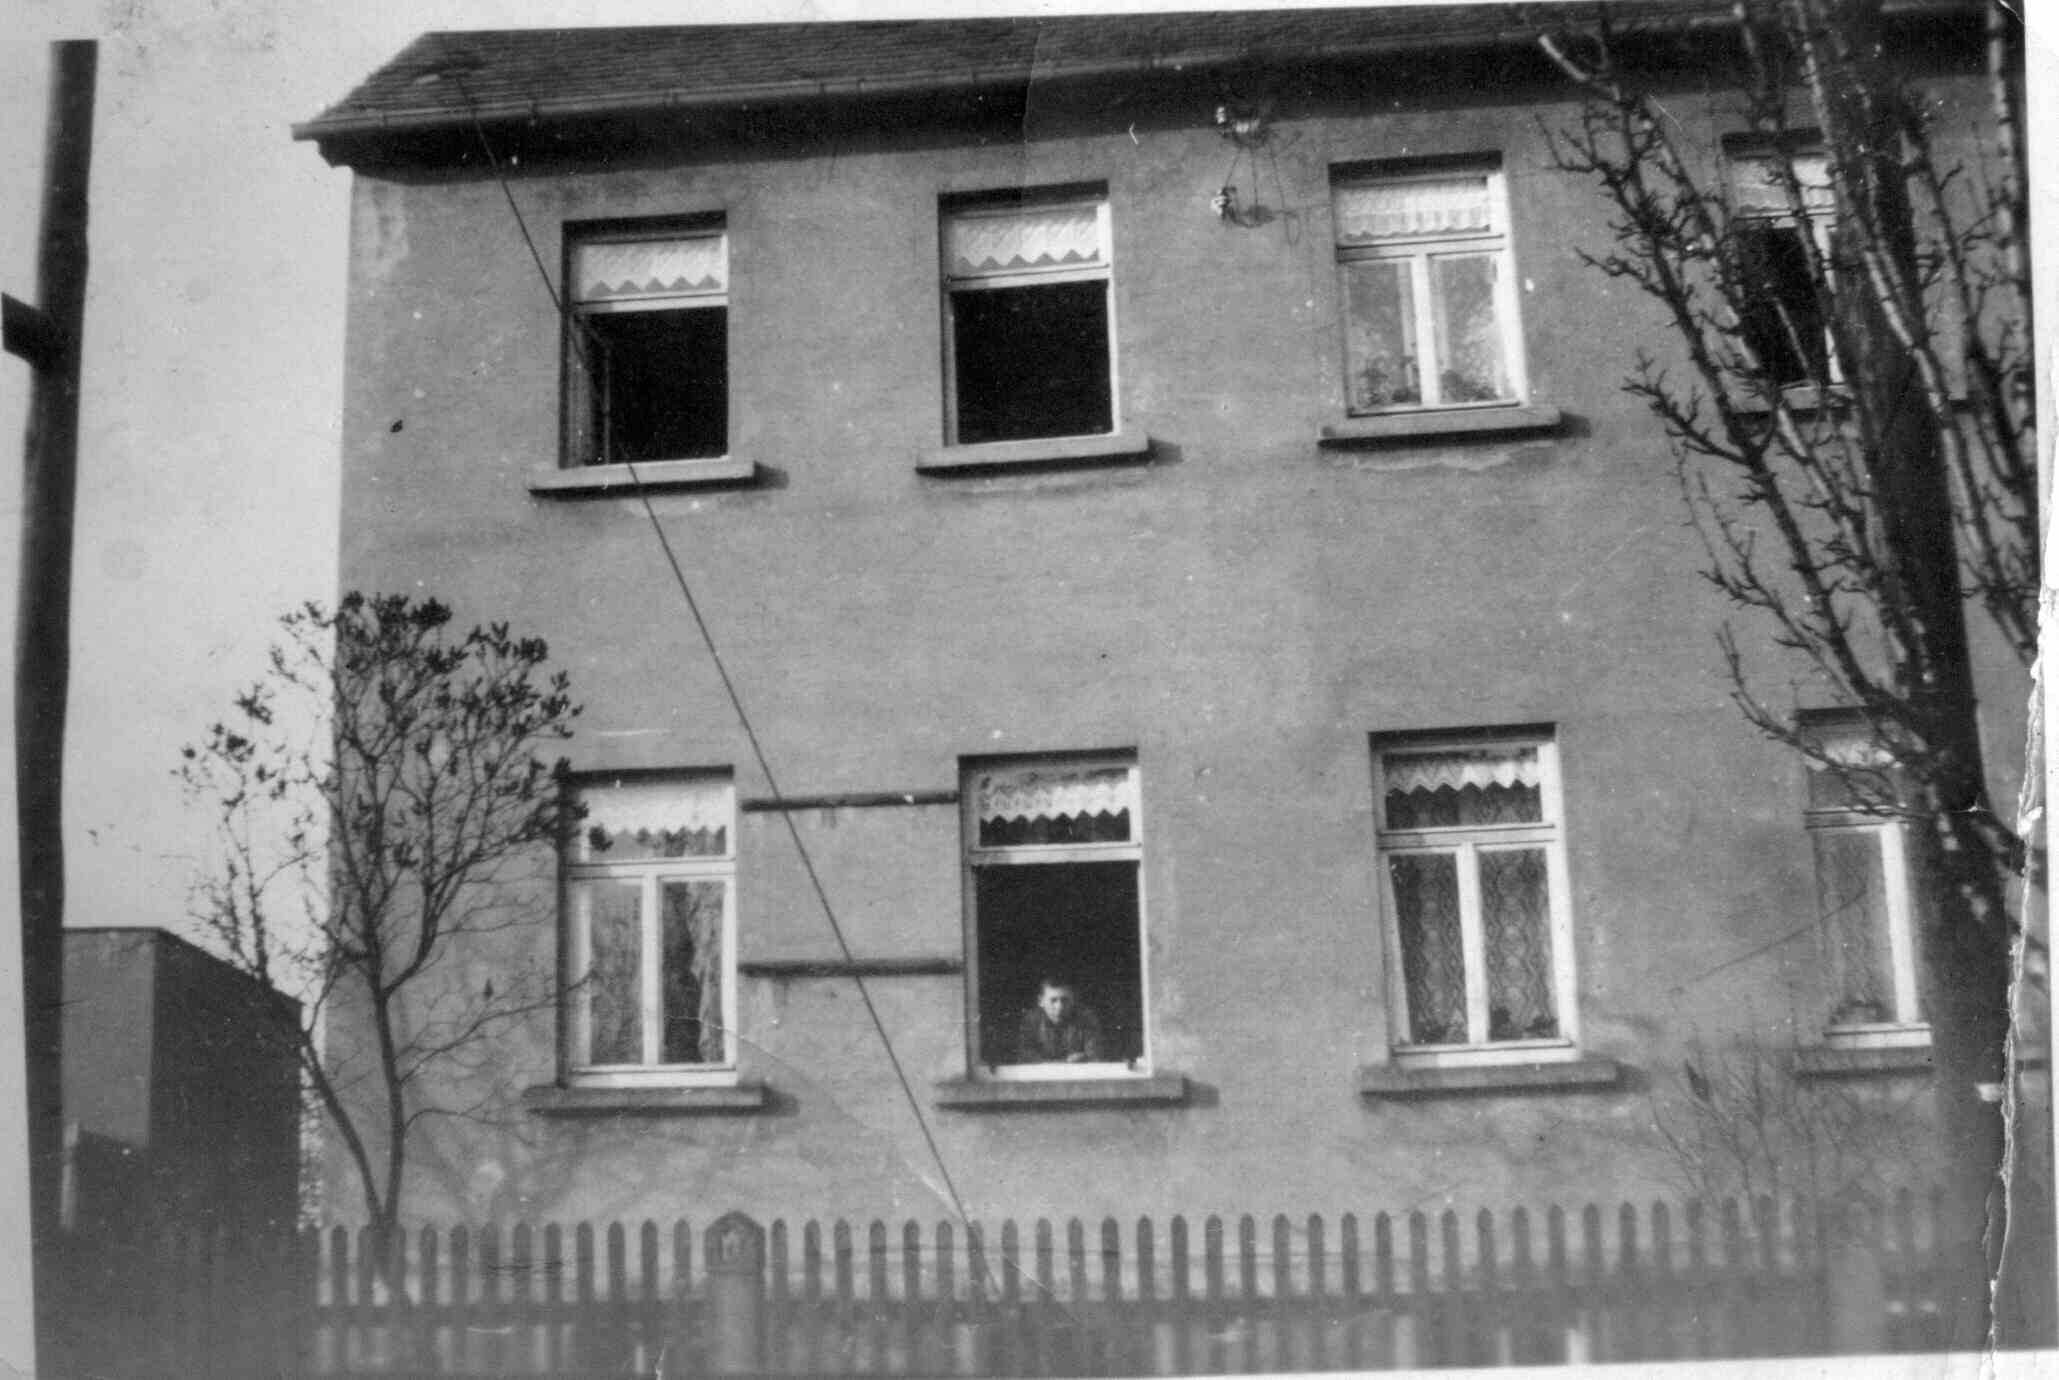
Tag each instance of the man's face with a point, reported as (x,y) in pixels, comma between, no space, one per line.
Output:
(1057,1004)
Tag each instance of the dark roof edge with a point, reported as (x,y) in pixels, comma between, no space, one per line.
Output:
(651,103)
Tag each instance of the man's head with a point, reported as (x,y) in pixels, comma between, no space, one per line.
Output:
(1056,1000)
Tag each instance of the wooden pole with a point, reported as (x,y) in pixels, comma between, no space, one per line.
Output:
(49,337)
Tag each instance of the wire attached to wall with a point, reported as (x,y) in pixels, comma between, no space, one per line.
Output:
(576,334)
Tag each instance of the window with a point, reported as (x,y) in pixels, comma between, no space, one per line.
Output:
(1428,289)
(1862,887)
(1027,321)
(650,907)
(1472,872)
(1783,322)
(647,350)
(1053,849)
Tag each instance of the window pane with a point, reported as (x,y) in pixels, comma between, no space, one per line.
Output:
(1471,367)
(1782,320)
(691,947)
(1515,915)
(1433,967)
(1462,787)
(657,383)
(614,990)
(1076,923)
(1851,902)
(1032,362)
(1380,335)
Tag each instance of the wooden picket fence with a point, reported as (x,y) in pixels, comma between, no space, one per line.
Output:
(1209,1296)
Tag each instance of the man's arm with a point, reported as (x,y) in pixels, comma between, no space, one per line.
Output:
(1091,1051)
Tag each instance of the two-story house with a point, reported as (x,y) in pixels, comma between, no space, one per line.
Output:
(1178,550)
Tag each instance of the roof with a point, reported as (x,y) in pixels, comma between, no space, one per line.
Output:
(566,73)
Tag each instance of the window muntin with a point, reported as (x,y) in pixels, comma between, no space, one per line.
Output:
(1053,887)
(647,351)
(650,931)
(1778,231)
(1428,290)
(1472,873)
(1863,901)
(1028,328)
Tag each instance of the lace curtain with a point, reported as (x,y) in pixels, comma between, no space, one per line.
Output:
(1761,185)
(646,270)
(1462,786)
(1412,209)
(1043,805)
(632,821)
(1034,239)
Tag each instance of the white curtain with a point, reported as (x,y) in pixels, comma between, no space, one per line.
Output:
(627,809)
(1375,211)
(645,270)
(1408,772)
(1055,792)
(981,244)
(1762,184)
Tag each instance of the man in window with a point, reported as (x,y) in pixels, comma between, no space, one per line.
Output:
(1058,1029)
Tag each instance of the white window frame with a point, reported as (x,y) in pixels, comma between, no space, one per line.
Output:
(1815,221)
(578,376)
(648,876)
(1034,855)
(1466,842)
(1417,251)
(1849,737)
(1103,272)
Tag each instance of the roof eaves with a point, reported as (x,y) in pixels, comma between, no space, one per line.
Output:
(652,102)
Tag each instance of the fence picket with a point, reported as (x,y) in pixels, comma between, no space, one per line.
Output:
(1648,1282)
(1319,1311)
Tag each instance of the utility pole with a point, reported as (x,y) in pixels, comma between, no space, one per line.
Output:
(48,336)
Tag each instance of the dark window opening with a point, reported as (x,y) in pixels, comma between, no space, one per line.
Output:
(657,384)
(1073,922)
(1031,362)
(1782,319)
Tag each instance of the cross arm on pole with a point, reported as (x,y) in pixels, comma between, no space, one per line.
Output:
(30,333)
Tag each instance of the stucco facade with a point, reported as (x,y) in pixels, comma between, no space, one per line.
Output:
(1243,611)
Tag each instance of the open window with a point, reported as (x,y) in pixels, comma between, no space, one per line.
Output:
(1782,208)
(1028,329)
(1428,287)
(1473,884)
(1863,902)
(647,346)
(1053,853)
(650,931)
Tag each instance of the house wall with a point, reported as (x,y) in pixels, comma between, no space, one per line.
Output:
(1242,613)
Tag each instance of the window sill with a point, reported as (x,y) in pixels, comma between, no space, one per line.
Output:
(1117,448)
(653,474)
(551,1099)
(1418,426)
(1805,398)
(983,1095)
(1861,1061)
(1405,1080)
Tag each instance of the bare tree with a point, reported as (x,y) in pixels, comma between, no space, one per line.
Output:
(1736,1123)
(1850,407)
(402,764)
